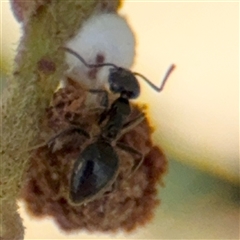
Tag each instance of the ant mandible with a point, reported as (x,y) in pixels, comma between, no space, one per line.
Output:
(97,166)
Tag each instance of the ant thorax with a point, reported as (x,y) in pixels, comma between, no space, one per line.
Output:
(114,119)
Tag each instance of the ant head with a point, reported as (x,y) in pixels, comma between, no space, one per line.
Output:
(124,82)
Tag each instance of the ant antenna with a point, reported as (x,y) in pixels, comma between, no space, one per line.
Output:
(85,63)
(157,89)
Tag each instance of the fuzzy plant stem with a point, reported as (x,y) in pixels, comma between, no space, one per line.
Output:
(39,67)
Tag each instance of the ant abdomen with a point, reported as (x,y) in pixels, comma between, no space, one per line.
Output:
(97,163)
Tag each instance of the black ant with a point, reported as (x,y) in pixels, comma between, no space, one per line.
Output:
(97,165)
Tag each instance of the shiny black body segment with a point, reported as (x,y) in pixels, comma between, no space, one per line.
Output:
(89,171)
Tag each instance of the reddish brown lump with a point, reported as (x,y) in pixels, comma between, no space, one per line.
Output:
(46,188)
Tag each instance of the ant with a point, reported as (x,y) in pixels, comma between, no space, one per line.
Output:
(97,165)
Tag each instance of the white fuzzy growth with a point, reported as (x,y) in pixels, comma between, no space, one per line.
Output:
(107,35)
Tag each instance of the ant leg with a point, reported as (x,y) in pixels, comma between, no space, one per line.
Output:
(112,190)
(138,160)
(68,131)
(104,93)
(131,124)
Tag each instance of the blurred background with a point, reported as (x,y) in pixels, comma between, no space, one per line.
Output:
(196,117)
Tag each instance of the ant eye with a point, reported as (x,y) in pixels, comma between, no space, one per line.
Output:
(114,87)
(111,70)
